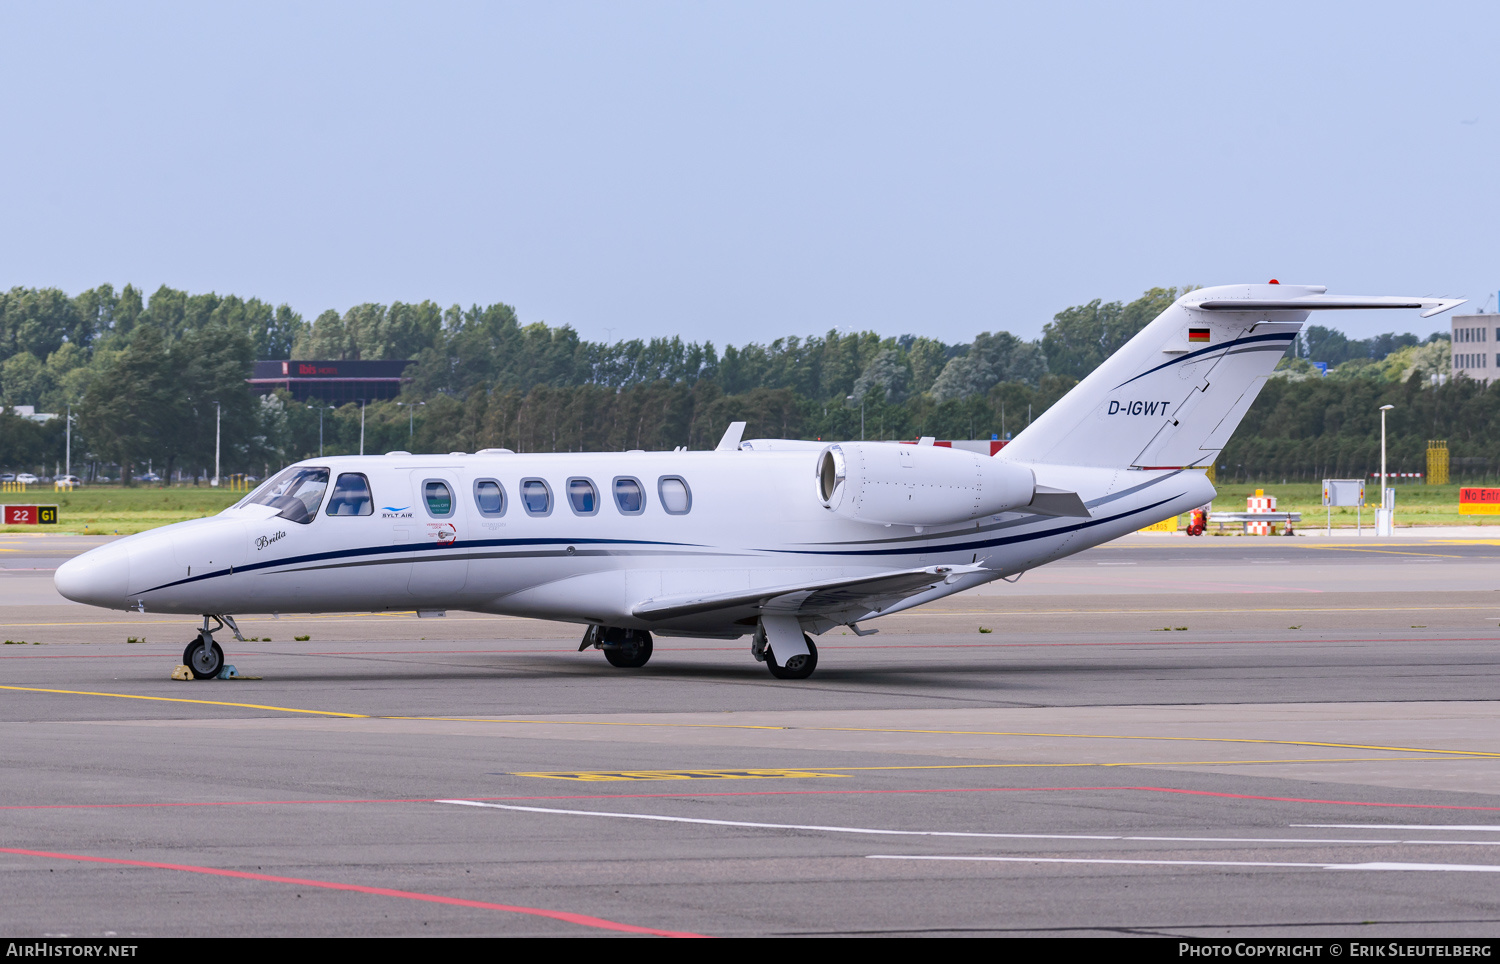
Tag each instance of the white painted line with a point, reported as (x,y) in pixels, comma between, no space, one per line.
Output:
(664,818)
(1466,827)
(1459,868)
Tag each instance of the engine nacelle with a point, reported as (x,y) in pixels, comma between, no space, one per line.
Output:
(918,485)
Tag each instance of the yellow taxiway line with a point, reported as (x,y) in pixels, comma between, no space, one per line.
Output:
(177,699)
(1425,751)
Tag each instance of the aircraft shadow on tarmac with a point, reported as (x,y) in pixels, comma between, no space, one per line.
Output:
(957,676)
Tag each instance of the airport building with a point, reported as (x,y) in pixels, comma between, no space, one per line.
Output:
(331,382)
(1476,346)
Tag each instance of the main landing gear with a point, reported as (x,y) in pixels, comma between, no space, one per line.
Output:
(203,656)
(783,631)
(626,648)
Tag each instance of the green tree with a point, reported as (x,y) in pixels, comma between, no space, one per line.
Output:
(1078,339)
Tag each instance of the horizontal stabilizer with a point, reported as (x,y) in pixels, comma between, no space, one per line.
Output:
(862,593)
(1171,397)
(1058,502)
(1433,306)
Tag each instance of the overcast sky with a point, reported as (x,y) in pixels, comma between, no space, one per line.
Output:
(741,171)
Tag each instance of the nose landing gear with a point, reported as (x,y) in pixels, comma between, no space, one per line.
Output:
(204,660)
(203,656)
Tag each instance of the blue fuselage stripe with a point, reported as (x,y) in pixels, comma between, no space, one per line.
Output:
(345,555)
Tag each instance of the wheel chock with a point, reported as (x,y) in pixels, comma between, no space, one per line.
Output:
(182,672)
(228,672)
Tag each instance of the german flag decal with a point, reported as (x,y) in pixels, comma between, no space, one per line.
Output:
(1198,334)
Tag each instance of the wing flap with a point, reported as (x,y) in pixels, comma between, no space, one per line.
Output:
(830,596)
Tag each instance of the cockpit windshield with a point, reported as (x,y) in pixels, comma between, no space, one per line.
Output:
(297,492)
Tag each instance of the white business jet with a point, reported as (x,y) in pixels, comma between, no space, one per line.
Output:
(781,540)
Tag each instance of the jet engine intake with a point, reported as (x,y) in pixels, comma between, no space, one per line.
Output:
(918,485)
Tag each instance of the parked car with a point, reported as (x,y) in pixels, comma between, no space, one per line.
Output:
(7,476)
(68,480)
(27,477)
(148,477)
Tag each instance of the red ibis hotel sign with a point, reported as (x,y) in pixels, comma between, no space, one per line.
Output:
(31,515)
(1478,501)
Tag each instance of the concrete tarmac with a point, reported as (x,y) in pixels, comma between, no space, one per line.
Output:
(1221,737)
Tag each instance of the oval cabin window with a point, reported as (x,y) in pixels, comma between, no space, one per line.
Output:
(439,498)
(536,497)
(583,497)
(630,496)
(676,497)
(489,497)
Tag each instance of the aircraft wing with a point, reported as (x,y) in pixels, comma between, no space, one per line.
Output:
(857,594)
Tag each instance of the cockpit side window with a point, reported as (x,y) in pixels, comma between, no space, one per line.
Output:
(351,496)
(297,493)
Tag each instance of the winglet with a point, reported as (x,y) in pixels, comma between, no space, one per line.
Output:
(731,440)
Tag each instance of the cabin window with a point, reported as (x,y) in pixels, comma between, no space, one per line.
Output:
(676,497)
(351,496)
(438,498)
(536,496)
(630,496)
(297,492)
(489,498)
(582,496)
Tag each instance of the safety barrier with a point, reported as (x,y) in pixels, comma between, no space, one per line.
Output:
(13,486)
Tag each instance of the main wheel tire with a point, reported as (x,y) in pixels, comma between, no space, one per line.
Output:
(205,662)
(798,667)
(631,654)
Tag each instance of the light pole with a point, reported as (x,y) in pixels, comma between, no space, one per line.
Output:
(68,458)
(850,398)
(218,419)
(1383,514)
(321,409)
(361,426)
(411,412)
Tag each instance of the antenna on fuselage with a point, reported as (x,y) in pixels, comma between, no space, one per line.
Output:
(731,440)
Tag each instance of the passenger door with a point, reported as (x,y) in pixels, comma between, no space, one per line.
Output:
(440,524)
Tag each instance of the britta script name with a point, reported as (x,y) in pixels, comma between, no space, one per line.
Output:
(262,541)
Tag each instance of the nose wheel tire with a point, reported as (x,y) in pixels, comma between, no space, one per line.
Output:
(632,653)
(797,667)
(204,661)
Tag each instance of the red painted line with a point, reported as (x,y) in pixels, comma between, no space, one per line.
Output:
(747,793)
(1167,641)
(1340,803)
(583,920)
(85,656)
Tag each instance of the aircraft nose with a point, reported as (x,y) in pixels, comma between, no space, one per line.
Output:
(99,577)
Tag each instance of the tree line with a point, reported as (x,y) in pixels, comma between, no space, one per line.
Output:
(147,378)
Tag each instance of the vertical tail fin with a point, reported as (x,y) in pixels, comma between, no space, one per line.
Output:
(1173,394)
